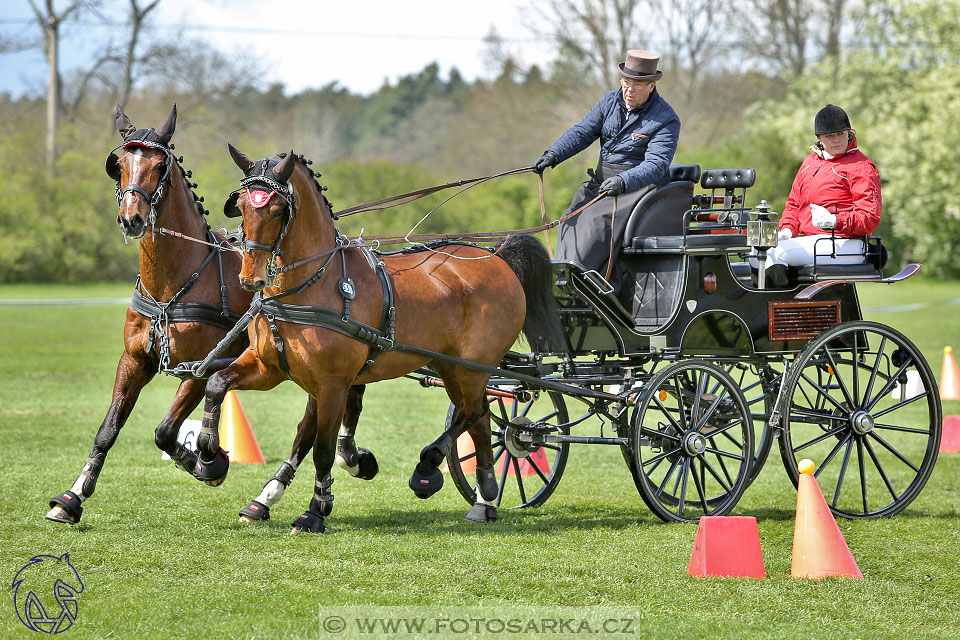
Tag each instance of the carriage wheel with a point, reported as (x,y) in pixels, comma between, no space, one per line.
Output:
(526,474)
(864,406)
(692,442)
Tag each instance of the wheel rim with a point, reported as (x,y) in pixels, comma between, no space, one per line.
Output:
(523,480)
(864,406)
(692,441)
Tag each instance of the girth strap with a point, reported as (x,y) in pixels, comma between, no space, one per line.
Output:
(328,319)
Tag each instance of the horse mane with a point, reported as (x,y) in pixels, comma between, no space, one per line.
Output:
(301,159)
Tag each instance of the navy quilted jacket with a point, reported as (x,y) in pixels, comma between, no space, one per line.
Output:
(646,138)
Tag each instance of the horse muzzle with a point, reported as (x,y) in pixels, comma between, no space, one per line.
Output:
(132,227)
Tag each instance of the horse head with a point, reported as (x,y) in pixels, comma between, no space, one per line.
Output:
(141,171)
(266,201)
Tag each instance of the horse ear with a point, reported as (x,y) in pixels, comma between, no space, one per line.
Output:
(241,160)
(230,208)
(124,126)
(112,167)
(284,168)
(165,132)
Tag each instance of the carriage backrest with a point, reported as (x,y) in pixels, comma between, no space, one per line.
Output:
(660,212)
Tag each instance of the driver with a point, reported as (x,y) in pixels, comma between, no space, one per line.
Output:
(836,189)
(638,133)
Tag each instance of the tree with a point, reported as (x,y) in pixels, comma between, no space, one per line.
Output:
(49,21)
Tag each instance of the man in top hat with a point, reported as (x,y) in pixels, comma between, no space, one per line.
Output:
(638,133)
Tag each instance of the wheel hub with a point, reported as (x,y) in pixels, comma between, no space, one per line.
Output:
(694,443)
(511,439)
(862,422)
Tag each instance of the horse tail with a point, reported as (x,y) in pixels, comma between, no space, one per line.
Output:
(530,262)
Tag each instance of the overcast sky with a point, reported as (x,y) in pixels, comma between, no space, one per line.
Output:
(356,43)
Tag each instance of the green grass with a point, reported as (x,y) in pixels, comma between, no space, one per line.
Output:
(163,556)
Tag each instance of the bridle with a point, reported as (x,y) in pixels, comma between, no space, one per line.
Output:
(133,187)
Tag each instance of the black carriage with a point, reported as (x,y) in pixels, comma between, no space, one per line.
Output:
(702,360)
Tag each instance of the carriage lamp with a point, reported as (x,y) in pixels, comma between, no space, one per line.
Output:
(762,235)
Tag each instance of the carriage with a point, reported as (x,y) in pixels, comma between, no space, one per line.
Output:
(703,360)
(698,360)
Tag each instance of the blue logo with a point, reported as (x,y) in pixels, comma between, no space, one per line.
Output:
(45,593)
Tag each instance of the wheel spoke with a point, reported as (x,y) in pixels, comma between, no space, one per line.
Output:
(856,372)
(666,412)
(727,454)
(472,454)
(720,460)
(682,412)
(819,438)
(892,450)
(683,488)
(888,386)
(658,434)
(503,481)
(822,393)
(697,396)
(836,374)
(662,455)
(726,485)
(863,474)
(516,471)
(874,370)
(829,458)
(899,405)
(698,483)
(536,468)
(883,474)
(816,415)
(893,427)
(843,472)
(666,478)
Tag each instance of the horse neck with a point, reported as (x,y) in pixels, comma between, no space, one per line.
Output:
(167,262)
(310,232)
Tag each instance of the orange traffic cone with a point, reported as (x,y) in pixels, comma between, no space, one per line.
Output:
(950,436)
(819,550)
(727,547)
(949,377)
(464,447)
(236,436)
(538,458)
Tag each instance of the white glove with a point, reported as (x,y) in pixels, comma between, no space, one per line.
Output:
(822,218)
(784,234)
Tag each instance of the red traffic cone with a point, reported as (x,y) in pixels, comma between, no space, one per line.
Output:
(727,547)
(950,437)
(236,436)
(819,550)
(949,376)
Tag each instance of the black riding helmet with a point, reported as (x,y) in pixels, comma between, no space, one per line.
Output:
(831,119)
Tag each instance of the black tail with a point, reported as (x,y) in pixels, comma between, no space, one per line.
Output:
(530,261)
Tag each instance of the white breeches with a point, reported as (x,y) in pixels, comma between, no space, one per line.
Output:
(795,252)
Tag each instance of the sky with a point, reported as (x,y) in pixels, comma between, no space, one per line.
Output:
(358,44)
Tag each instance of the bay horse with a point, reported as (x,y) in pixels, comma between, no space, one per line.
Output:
(462,301)
(201,287)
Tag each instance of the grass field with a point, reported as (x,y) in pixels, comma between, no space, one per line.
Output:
(162,556)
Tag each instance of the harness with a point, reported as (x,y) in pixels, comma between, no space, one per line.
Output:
(379,339)
(161,314)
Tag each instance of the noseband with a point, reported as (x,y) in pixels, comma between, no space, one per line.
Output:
(153,200)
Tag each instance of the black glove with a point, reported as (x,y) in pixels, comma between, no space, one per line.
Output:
(547,160)
(613,185)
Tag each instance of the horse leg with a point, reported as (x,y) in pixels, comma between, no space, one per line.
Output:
(357,461)
(259,507)
(188,397)
(330,409)
(133,374)
(246,372)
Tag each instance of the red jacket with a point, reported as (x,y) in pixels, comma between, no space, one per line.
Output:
(847,185)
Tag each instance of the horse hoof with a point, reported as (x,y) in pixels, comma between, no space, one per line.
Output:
(309,522)
(368,464)
(212,472)
(59,514)
(425,485)
(65,507)
(482,513)
(255,512)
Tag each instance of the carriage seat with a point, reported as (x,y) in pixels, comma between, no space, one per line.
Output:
(660,212)
(780,276)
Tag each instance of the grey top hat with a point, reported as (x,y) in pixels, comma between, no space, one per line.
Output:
(640,65)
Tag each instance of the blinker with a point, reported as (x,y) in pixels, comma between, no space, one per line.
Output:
(259,198)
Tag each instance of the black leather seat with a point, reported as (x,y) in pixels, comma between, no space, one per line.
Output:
(660,212)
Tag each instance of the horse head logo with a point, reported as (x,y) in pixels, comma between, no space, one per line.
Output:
(45,593)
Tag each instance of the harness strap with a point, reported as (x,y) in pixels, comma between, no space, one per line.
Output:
(278,342)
